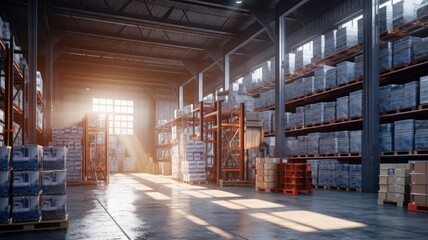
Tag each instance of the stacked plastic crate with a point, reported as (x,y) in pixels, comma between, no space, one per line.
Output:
(403,50)
(267,173)
(291,147)
(313,143)
(328,143)
(330,43)
(385,18)
(394,182)
(346,37)
(411,94)
(404,132)
(268,117)
(386,137)
(320,77)
(53,183)
(397,97)
(355,104)
(355,176)
(343,138)
(5,183)
(294,178)
(302,144)
(385,98)
(342,175)
(193,167)
(318,47)
(419,185)
(26,185)
(404,12)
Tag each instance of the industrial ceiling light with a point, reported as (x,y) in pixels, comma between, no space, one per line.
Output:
(238,2)
(87,89)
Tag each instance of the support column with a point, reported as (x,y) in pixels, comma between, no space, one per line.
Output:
(200,87)
(47,92)
(280,85)
(32,56)
(370,139)
(226,72)
(181,97)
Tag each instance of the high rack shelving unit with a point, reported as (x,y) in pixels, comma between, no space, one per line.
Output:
(395,75)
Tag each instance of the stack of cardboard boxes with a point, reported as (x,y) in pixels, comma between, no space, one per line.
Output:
(267,173)
(193,167)
(419,183)
(394,180)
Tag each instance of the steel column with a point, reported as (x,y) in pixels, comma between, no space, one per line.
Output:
(47,92)
(226,72)
(370,139)
(8,138)
(32,55)
(219,149)
(200,86)
(181,97)
(280,85)
(241,141)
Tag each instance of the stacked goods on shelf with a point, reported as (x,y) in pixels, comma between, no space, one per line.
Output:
(313,143)
(330,43)
(385,18)
(302,144)
(291,147)
(355,141)
(70,137)
(404,132)
(318,47)
(342,175)
(268,119)
(394,182)
(355,176)
(385,98)
(355,104)
(175,163)
(294,178)
(420,48)
(423,90)
(54,183)
(385,136)
(404,12)
(266,99)
(290,60)
(193,167)
(403,50)
(346,37)
(423,9)
(314,170)
(385,56)
(327,172)
(397,96)
(320,77)
(309,84)
(322,112)
(5,183)
(267,173)
(360,26)
(295,89)
(342,108)
(234,100)
(330,78)
(421,135)
(328,143)
(359,66)
(270,142)
(343,141)
(303,58)
(419,185)
(26,185)
(345,72)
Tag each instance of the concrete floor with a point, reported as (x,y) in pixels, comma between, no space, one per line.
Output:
(143,206)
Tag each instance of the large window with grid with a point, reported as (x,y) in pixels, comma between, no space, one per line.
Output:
(121,114)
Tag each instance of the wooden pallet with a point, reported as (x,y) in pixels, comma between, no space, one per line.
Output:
(422,107)
(398,204)
(396,153)
(417,208)
(34,226)
(349,189)
(291,191)
(195,182)
(403,110)
(349,154)
(420,152)
(259,189)
(238,184)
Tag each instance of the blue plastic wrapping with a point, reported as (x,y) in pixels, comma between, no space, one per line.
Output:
(359,66)
(54,158)
(385,56)
(318,47)
(356,104)
(346,37)
(342,108)
(403,12)
(421,134)
(309,84)
(314,170)
(4,210)
(355,141)
(343,140)
(320,77)
(53,182)
(330,78)
(403,50)
(5,183)
(303,58)
(330,43)
(411,94)
(26,183)
(423,90)
(345,72)
(386,137)
(53,207)
(5,158)
(27,157)
(26,209)
(404,132)
(385,18)
(313,143)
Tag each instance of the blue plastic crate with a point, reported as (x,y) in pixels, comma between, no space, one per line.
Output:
(26,208)
(53,207)
(27,157)
(26,183)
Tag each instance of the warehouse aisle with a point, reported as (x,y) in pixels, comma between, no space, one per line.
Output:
(143,206)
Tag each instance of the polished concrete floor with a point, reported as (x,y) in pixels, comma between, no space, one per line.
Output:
(143,206)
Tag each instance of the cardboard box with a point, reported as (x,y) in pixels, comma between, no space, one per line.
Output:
(419,167)
(270,166)
(419,178)
(383,179)
(270,172)
(398,188)
(397,197)
(399,180)
(419,188)
(383,187)
(381,195)
(419,199)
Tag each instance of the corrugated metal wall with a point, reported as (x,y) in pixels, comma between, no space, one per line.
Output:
(165,106)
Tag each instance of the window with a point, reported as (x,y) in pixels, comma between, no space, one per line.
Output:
(352,23)
(121,114)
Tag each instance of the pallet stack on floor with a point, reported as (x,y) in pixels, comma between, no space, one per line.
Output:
(294,178)
(267,174)
(394,188)
(32,188)
(419,186)
(193,167)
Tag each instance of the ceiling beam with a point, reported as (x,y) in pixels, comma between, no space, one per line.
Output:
(130,19)
(131,39)
(219,5)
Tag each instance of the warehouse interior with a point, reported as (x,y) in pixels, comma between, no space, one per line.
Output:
(190,119)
